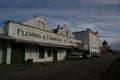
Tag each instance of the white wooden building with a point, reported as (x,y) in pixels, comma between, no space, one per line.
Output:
(33,39)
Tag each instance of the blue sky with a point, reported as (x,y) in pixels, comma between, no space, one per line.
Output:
(98,15)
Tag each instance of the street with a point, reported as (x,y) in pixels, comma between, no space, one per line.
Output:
(85,69)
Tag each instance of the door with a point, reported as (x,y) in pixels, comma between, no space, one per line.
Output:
(54,55)
(17,53)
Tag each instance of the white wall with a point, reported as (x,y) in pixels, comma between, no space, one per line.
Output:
(31,52)
(8,53)
(45,59)
(61,54)
(94,43)
(1,52)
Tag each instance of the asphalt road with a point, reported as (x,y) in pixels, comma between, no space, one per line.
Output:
(88,69)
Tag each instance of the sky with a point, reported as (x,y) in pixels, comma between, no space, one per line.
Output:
(99,15)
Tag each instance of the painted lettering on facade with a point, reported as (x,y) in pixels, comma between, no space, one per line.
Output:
(27,33)
(36,35)
(52,38)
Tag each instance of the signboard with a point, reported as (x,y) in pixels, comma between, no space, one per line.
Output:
(23,32)
(37,35)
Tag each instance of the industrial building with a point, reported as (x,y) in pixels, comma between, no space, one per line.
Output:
(34,40)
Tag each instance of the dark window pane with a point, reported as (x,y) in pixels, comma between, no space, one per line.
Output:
(41,52)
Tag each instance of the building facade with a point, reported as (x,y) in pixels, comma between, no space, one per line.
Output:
(34,40)
(105,48)
(90,40)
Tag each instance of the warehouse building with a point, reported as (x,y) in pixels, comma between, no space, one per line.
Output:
(90,40)
(33,40)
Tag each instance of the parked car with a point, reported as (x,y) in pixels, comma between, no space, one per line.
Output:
(96,55)
(74,56)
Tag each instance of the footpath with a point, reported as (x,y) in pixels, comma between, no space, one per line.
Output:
(112,72)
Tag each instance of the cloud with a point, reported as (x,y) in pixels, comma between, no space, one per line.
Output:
(98,15)
(54,22)
(81,27)
(100,2)
(115,45)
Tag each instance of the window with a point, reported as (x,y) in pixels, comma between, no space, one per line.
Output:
(91,53)
(66,32)
(41,52)
(49,53)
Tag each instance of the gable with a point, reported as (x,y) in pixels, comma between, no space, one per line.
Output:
(38,22)
(65,31)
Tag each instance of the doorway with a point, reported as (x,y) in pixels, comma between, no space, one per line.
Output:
(54,55)
(17,53)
